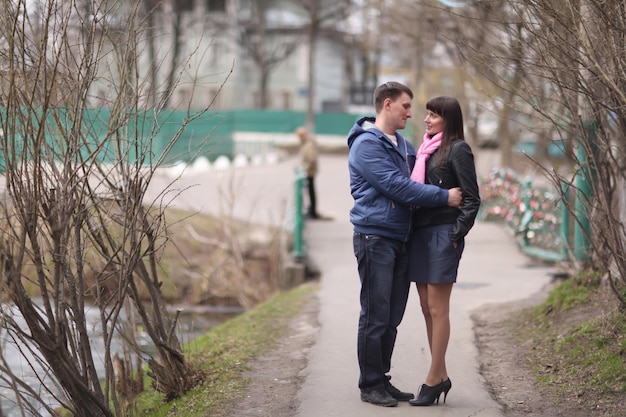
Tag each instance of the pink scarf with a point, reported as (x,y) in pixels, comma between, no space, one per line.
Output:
(427,148)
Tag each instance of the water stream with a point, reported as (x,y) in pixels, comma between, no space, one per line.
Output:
(193,321)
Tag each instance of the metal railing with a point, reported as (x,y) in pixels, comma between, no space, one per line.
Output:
(298,217)
(535,214)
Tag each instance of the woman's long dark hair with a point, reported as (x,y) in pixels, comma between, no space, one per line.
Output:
(450,109)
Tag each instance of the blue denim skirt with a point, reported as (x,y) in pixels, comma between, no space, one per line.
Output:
(432,257)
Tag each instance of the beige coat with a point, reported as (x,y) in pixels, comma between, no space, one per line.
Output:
(308,157)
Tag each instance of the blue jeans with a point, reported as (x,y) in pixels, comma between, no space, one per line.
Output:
(382,264)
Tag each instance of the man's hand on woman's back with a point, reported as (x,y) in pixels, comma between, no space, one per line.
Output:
(455,197)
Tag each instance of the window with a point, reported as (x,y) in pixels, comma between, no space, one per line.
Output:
(216,5)
(286,99)
(215,52)
(256,100)
(184,5)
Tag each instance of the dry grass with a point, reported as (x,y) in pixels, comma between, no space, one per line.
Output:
(573,346)
(205,260)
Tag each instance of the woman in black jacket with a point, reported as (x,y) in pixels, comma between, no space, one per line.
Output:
(446,160)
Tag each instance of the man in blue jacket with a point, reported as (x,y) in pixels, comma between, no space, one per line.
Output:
(380,163)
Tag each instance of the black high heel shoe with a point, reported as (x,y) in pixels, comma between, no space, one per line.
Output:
(447,386)
(428,395)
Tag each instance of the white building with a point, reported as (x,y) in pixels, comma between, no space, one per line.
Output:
(214,67)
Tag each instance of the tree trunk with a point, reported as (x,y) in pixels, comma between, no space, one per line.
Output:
(263,81)
(174,68)
(310,87)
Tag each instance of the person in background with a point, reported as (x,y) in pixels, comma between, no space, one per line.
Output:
(308,160)
(380,161)
(445,160)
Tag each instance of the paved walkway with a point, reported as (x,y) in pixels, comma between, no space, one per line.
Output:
(492,270)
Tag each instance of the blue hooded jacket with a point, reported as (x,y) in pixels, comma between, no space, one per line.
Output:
(380,183)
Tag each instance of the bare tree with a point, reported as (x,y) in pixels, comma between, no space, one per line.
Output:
(174,65)
(424,37)
(579,55)
(75,226)
(165,20)
(321,15)
(149,10)
(464,42)
(266,41)
(363,50)
(566,70)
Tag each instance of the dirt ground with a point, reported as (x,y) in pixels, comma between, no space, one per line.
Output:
(509,381)
(277,377)
(509,360)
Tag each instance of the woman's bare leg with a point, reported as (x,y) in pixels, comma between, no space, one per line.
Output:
(422,290)
(438,298)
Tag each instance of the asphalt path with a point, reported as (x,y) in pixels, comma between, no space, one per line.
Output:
(492,270)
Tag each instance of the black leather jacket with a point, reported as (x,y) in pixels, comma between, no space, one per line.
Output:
(458,171)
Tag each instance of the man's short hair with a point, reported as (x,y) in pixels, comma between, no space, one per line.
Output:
(302,133)
(392,90)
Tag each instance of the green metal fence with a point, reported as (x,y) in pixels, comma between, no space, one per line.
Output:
(537,215)
(298,216)
(150,133)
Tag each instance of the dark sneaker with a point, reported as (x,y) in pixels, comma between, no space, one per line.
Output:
(396,393)
(378,396)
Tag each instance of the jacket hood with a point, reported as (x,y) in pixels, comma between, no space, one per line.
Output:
(361,126)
